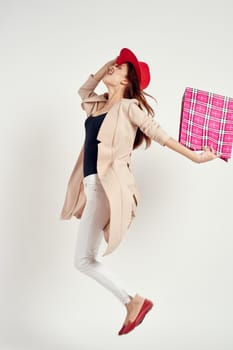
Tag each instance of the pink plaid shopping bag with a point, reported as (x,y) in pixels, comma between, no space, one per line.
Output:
(207,120)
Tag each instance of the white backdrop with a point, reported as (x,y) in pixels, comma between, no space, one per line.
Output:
(178,251)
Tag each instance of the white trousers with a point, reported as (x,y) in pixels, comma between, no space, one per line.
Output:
(90,235)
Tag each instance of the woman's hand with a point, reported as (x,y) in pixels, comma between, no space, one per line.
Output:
(104,69)
(110,63)
(207,155)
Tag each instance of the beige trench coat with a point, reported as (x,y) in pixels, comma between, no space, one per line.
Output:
(116,136)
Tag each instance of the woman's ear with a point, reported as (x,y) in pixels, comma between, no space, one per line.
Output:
(124,81)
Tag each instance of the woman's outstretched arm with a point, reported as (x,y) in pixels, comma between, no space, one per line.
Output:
(205,156)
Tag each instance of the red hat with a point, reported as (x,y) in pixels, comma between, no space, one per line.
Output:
(141,68)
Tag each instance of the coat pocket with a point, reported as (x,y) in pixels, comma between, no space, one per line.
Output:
(135,198)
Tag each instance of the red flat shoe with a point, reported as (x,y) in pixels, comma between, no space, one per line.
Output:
(121,331)
(146,307)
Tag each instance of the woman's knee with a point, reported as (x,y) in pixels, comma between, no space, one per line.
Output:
(82,263)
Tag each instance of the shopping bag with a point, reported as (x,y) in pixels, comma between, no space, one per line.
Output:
(206,120)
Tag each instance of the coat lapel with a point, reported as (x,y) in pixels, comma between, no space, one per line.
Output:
(108,128)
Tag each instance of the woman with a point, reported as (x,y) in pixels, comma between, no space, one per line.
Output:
(102,189)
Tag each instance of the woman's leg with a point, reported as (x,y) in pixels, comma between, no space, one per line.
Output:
(90,235)
(94,218)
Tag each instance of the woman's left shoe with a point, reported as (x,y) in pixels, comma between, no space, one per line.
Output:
(146,307)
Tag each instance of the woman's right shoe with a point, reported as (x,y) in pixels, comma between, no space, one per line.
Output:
(121,331)
(146,307)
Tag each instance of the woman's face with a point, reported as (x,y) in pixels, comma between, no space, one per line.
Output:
(116,75)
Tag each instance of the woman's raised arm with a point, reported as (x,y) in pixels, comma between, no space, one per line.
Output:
(87,89)
(103,70)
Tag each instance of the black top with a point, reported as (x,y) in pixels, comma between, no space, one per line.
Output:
(92,126)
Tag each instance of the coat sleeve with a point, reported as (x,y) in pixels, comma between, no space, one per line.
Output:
(147,124)
(91,101)
(87,89)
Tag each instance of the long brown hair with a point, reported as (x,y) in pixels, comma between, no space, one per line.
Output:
(133,90)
